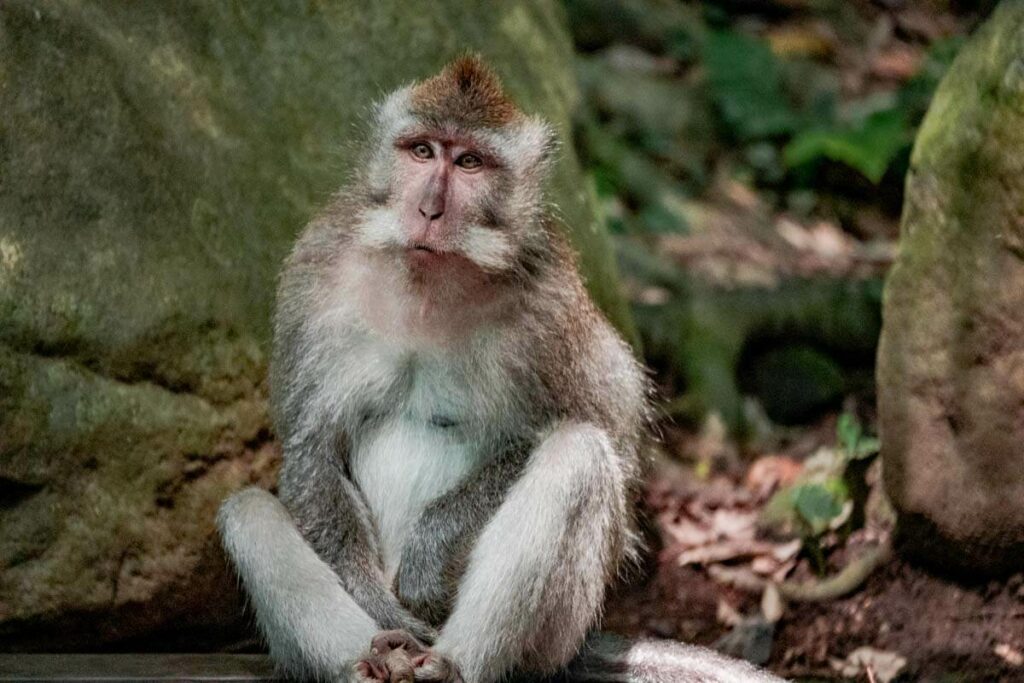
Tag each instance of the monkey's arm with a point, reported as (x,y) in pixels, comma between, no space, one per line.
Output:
(536,578)
(437,550)
(335,521)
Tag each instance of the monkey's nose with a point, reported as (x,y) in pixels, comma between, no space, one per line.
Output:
(433,215)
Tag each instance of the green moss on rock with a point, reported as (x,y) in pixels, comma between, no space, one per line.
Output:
(951,358)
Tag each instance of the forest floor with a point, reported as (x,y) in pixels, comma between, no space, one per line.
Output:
(902,623)
(746,146)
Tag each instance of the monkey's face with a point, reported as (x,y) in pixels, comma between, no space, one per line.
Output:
(448,202)
(455,180)
(451,200)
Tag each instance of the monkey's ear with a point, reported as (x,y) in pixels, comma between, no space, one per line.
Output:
(533,145)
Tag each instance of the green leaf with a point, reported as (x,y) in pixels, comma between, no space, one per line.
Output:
(854,444)
(868,148)
(658,220)
(817,506)
(848,431)
(746,85)
(866,447)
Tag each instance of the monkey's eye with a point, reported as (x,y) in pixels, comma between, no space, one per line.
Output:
(469,162)
(422,151)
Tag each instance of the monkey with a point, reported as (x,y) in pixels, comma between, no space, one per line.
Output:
(461,426)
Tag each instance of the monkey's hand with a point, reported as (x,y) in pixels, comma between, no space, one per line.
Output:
(398,657)
(394,667)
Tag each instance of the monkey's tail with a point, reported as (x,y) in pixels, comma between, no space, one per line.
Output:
(608,658)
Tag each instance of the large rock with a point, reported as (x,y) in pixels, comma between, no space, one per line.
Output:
(951,359)
(156,162)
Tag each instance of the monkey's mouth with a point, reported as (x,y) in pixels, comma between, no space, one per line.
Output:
(432,257)
(421,255)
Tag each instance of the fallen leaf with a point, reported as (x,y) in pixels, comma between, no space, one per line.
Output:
(727,614)
(772,606)
(765,565)
(898,63)
(723,551)
(881,665)
(770,472)
(1008,654)
(738,577)
(784,552)
(683,531)
(802,41)
(734,524)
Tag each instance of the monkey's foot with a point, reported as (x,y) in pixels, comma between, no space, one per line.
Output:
(432,667)
(386,641)
(394,667)
(397,656)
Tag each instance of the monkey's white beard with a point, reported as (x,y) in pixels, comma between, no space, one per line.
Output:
(380,228)
(491,250)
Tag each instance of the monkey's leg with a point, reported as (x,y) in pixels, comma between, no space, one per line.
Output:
(334,519)
(313,627)
(536,578)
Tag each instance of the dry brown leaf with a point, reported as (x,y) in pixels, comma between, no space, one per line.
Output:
(727,614)
(684,532)
(734,524)
(771,472)
(1009,654)
(802,41)
(772,606)
(783,571)
(737,577)
(883,666)
(898,63)
(723,551)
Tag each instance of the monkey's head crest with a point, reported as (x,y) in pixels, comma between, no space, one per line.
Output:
(466,99)
(466,90)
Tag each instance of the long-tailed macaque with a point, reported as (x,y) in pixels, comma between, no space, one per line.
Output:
(460,424)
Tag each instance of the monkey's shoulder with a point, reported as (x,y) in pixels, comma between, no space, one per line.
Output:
(587,370)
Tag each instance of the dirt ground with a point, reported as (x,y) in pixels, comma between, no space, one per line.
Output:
(945,631)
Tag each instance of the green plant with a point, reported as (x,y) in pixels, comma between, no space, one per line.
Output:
(824,498)
(745,79)
(867,146)
(854,444)
(872,135)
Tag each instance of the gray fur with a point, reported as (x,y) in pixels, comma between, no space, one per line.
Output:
(470,471)
(334,520)
(313,627)
(610,659)
(436,555)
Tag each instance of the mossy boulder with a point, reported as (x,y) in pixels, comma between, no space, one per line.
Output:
(951,359)
(156,162)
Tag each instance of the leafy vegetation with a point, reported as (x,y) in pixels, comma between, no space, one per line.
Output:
(746,82)
(823,500)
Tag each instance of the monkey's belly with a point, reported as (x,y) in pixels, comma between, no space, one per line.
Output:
(401,466)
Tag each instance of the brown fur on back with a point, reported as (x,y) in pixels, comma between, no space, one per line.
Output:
(468,92)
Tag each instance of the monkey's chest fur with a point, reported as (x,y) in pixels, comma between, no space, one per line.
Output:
(405,461)
(429,425)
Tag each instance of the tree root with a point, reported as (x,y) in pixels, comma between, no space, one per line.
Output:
(846,581)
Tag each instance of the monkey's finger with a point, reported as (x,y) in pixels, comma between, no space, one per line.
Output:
(400,666)
(386,641)
(372,669)
(434,668)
